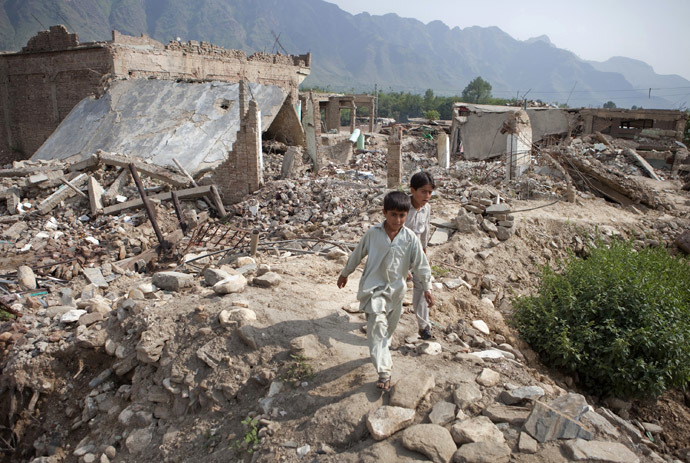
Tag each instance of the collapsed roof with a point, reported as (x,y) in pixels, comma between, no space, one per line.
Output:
(158,120)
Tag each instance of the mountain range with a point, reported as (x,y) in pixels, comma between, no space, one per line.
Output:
(354,53)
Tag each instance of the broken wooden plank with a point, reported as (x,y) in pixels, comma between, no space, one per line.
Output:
(74,188)
(148,207)
(217,201)
(189,193)
(116,187)
(150,170)
(643,162)
(62,193)
(95,196)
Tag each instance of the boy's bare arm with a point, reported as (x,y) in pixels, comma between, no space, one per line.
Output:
(342,281)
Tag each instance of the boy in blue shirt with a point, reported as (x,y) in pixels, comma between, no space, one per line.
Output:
(393,250)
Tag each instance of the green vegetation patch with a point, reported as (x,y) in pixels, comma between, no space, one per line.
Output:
(618,320)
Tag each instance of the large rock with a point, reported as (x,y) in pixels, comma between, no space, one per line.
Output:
(172,281)
(488,377)
(214,275)
(386,421)
(571,404)
(26,278)
(432,440)
(344,423)
(498,413)
(476,429)
(521,394)
(236,317)
(442,413)
(411,389)
(483,452)
(598,451)
(267,280)
(139,440)
(546,423)
(231,284)
(466,394)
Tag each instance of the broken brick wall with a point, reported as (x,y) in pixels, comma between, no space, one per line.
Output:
(37,91)
(241,173)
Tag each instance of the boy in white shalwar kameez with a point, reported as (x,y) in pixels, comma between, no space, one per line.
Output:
(392,251)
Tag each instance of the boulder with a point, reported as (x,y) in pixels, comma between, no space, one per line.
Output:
(411,389)
(466,394)
(483,452)
(386,421)
(442,413)
(476,429)
(432,440)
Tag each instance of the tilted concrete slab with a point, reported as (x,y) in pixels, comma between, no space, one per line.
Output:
(159,120)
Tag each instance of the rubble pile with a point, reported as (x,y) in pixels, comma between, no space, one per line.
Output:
(197,351)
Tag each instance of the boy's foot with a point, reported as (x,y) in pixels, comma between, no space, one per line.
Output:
(363,329)
(425,334)
(383,384)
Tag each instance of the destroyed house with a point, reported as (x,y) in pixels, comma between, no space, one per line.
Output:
(628,123)
(43,82)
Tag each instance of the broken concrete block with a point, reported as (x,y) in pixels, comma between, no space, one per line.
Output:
(172,281)
(95,277)
(214,275)
(95,196)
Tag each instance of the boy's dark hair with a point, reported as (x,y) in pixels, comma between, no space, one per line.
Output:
(396,201)
(420,179)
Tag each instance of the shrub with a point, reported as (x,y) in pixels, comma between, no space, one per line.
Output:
(619,320)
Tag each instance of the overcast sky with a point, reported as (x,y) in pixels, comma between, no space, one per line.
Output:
(654,32)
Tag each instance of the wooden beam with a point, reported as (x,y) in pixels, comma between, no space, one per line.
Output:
(189,193)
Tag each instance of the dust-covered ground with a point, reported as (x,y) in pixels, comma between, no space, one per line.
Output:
(280,371)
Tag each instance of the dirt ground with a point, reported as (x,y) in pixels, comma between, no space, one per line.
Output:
(221,392)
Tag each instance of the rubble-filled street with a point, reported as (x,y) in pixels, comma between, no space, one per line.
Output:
(173,328)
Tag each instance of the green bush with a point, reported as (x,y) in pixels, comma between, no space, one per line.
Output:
(619,320)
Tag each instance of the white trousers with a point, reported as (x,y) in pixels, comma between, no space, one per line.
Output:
(380,329)
(421,309)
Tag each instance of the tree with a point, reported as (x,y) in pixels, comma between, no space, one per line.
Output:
(432,115)
(477,91)
(428,99)
(609,105)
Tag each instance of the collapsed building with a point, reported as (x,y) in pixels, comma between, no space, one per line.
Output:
(54,73)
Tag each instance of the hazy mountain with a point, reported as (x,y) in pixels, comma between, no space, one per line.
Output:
(642,75)
(350,52)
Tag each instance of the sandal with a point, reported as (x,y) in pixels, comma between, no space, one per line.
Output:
(383,384)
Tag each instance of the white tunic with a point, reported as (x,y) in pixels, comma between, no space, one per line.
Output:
(388,263)
(419,221)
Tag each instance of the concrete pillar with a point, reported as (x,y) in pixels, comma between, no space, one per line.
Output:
(443,149)
(394,157)
(309,120)
(518,145)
